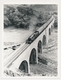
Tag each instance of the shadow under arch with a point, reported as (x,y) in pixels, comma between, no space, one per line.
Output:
(24,66)
(39,46)
(49,31)
(32,59)
(44,40)
(51,28)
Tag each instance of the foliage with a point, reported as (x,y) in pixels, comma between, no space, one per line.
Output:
(6,22)
(44,16)
(20,16)
(25,10)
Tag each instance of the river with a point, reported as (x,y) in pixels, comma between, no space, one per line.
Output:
(13,36)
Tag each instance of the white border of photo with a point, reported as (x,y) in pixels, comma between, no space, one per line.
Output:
(2,2)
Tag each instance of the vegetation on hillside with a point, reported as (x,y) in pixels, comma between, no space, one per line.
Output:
(20,16)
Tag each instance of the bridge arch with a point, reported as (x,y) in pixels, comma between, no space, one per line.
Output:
(49,31)
(24,66)
(32,59)
(44,40)
(39,46)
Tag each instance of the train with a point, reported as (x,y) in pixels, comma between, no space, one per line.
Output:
(38,32)
(32,37)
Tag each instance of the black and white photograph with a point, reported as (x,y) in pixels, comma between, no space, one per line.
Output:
(30,40)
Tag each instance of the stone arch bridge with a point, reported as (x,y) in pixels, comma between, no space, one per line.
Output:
(27,54)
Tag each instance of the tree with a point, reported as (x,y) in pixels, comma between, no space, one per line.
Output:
(6,22)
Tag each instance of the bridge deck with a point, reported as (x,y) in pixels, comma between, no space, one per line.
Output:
(15,54)
(22,48)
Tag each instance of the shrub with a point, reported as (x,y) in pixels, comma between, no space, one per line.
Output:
(25,10)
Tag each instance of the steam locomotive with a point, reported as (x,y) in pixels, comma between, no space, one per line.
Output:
(32,37)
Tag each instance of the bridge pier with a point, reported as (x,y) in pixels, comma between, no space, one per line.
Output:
(28,68)
(37,56)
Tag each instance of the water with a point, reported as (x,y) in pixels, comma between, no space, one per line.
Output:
(14,36)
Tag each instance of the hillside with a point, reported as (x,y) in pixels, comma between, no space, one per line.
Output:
(21,16)
(45,7)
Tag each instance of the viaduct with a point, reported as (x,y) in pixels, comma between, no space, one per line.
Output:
(27,54)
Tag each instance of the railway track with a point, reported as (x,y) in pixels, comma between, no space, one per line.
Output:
(10,59)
